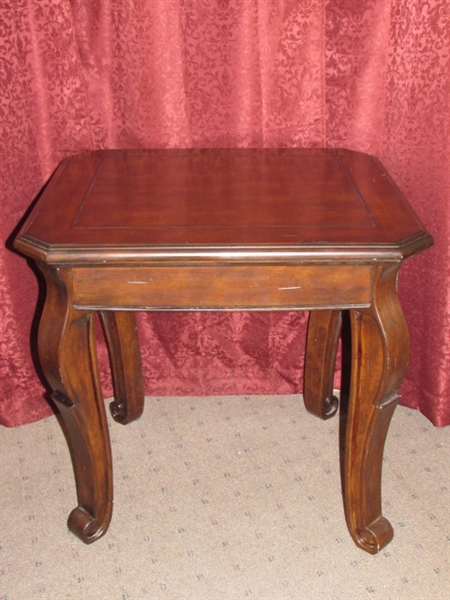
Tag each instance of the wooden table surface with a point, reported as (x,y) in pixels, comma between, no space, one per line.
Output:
(321,201)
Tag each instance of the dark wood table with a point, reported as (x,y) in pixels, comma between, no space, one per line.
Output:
(321,230)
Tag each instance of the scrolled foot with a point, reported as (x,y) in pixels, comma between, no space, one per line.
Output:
(330,407)
(118,411)
(375,536)
(85,526)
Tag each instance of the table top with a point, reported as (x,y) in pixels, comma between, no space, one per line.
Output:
(295,204)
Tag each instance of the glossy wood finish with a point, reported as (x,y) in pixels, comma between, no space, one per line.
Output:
(323,230)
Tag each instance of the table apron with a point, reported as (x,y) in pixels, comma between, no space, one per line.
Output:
(222,287)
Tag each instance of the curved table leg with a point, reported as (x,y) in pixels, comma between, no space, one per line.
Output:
(380,352)
(126,366)
(67,351)
(321,346)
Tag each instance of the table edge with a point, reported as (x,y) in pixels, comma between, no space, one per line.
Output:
(138,254)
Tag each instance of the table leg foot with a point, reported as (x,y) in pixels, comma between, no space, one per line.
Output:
(321,346)
(67,351)
(380,351)
(375,536)
(126,366)
(84,525)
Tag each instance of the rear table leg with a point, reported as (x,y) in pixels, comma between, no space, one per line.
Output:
(126,366)
(321,347)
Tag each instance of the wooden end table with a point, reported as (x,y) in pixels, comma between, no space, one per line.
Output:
(130,230)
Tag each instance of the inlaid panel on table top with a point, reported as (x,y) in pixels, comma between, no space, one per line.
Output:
(142,203)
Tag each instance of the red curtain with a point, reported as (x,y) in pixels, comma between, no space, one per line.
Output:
(370,75)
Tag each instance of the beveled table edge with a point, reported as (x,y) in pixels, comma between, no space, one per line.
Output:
(140,254)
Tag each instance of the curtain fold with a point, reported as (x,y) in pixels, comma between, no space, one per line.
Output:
(371,75)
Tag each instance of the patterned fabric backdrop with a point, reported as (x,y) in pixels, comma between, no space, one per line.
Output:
(370,75)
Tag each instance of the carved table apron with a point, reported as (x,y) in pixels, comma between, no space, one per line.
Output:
(320,230)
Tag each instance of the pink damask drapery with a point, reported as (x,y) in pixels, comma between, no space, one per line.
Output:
(370,75)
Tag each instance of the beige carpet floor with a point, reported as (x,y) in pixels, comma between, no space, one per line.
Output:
(224,499)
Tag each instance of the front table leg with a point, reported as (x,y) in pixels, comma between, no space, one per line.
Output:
(380,351)
(68,356)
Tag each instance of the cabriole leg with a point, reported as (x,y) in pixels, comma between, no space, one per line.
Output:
(67,351)
(380,351)
(126,366)
(321,346)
